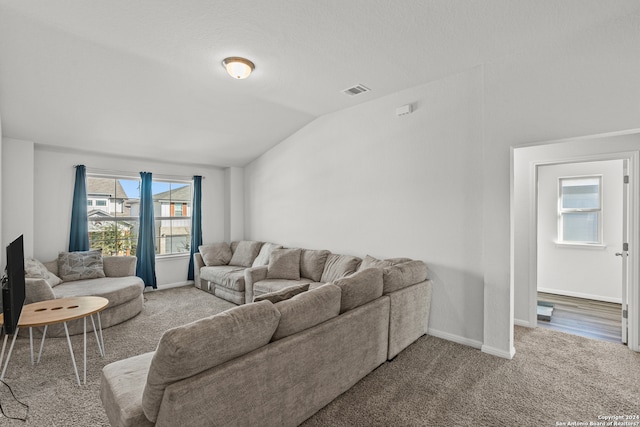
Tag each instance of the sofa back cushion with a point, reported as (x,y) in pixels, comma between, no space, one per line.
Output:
(215,254)
(265,254)
(80,265)
(360,288)
(193,348)
(369,262)
(307,309)
(338,266)
(312,263)
(245,253)
(402,275)
(284,264)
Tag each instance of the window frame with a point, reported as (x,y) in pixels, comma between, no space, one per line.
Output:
(561,211)
(135,219)
(188,182)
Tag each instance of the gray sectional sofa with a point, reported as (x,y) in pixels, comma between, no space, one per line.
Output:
(242,270)
(277,361)
(120,286)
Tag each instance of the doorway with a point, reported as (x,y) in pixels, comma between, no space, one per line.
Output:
(526,160)
(579,232)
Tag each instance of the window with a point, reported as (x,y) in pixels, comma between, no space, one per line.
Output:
(113,227)
(580,210)
(114,207)
(172,211)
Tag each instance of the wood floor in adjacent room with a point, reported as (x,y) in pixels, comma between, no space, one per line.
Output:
(588,318)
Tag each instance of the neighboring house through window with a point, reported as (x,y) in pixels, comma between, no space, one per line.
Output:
(114,207)
(580,210)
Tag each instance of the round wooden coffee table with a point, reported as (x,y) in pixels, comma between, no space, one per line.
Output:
(45,313)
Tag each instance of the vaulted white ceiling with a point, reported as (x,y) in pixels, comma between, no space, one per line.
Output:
(144,77)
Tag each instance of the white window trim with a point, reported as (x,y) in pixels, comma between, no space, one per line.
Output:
(570,243)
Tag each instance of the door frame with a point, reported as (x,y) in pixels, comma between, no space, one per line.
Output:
(525,222)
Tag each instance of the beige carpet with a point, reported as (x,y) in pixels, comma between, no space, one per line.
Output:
(554,377)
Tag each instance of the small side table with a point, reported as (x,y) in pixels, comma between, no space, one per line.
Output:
(45,313)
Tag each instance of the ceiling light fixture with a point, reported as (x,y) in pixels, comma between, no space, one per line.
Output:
(238,68)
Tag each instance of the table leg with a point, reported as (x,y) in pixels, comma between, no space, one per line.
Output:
(13,341)
(104,350)
(4,345)
(85,349)
(95,331)
(31,343)
(73,359)
(44,335)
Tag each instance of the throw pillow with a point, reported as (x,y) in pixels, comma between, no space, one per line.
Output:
(284,264)
(245,253)
(216,254)
(283,294)
(338,266)
(265,253)
(80,265)
(34,269)
(312,263)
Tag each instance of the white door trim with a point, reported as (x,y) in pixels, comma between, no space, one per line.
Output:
(633,156)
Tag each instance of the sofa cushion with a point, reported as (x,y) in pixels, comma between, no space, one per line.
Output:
(34,269)
(193,348)
(360,288)
(245,253)
(274,285)
(307,309)
(312,263)
(402,275)
(283,294)
(370,261)
(338,266)
(225,275)
(80,265)
(284,264)
(265,253)
(215,254)
(118,290)
(121,390)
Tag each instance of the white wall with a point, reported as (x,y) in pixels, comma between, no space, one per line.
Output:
(435,185)
(576,270)
(234,202)
(17,193)
(363,181)
(54,177)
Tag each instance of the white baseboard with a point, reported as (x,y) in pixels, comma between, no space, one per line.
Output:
(524,323)
(169,286)
(498,352)
(455,338)
(580,295)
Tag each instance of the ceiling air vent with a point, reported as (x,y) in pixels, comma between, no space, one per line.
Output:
(356,90)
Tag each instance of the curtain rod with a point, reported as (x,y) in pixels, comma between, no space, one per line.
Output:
(114,172)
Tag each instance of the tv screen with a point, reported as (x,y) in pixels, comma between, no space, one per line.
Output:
(13,292)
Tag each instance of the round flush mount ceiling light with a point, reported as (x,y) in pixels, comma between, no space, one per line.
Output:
(238,68)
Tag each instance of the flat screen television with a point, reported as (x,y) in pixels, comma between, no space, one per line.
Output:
(13,292)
